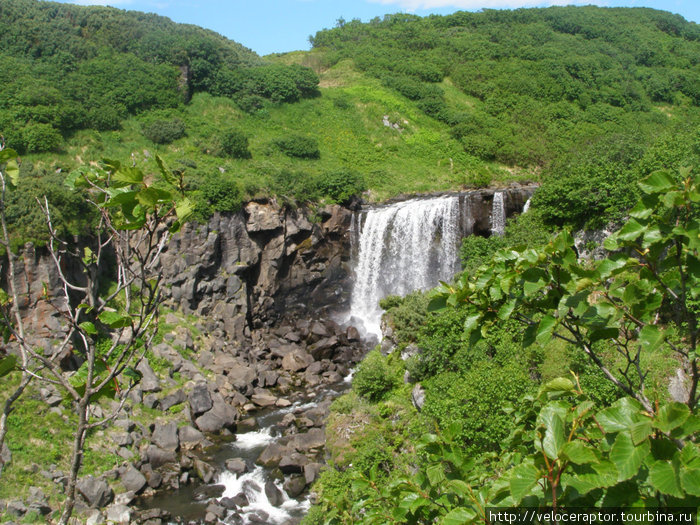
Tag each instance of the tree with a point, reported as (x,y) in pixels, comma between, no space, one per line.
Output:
(111,332)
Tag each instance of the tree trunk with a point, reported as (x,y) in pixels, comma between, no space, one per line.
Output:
(77,458)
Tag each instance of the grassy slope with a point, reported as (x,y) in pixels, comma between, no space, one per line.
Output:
(346,119)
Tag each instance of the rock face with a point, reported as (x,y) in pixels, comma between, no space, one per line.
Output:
(245,270)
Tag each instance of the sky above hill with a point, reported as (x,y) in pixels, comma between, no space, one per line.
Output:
(275,26)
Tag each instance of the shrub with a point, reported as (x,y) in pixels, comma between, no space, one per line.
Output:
(472,399)
(41,137)
(298,146)
(373,378)
(250,103)
(164,131)
(340,185)
(235,144)
(221,194)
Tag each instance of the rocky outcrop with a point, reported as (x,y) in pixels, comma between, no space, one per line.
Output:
(247,270)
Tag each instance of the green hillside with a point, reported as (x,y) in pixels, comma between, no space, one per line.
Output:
(578,98)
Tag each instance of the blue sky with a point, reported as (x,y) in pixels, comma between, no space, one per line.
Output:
(272,26)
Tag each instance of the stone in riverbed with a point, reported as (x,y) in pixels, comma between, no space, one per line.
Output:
(274,495)
(294,486)
(263,399)
(296,360)
(272,455)
(236,465)
(204,470)
(293,463)
(314,438)
(173,399)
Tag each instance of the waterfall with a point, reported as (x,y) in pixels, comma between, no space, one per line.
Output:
(403,247)
(527,206)
(498,215)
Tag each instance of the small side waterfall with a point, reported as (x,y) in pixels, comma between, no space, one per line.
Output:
(498,215)
(527,205)
(403,247)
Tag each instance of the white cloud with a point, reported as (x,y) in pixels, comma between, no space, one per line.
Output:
(412,5)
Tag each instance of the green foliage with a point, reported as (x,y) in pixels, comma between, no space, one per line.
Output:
(468,399)
(374,378)
(220,193)
(618,299)
(235,144)
(522,230)
(164,131)
(298,146)
(340,185)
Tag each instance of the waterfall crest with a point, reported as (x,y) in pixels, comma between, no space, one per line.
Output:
(403,247)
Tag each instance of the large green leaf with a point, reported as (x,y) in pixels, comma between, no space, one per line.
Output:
(524,477)
(665,477)
(578,453)
(670,416)
(657,182)
(459,516)
(690,481)
(545,329)
(7,364)
(651,337)
(12,170)
(554,437)
(621,415)
(641,431)
(627,456)
(115,319)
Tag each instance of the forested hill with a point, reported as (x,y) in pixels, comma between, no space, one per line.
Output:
(539,80)
(584,100)
(65,67)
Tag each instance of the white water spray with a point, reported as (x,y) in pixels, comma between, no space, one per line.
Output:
(498,214)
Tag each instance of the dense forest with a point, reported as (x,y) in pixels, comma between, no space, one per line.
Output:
(543,376)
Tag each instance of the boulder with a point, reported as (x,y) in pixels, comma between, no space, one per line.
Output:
(166,436)
(173,399)
(293,463)
(200,400)
(149,380)
(204,470)
(418,396)
(158,457)
(314,438)
(133,480)
(236,465)
(311,472)
(271,456)
(95,491)
(294,486)
(263,399)
(118,514)
(190,437)
(296,360)
(274,495)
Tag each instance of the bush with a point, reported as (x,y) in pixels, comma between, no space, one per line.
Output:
(250,103)
(221,194)
(340,185)
(472,399)
(41,137)
(164,131)
(298,146)
(373,378)
(235,144)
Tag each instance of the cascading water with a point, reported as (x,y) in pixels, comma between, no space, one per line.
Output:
(527,205)
(403,247)
(498,215)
